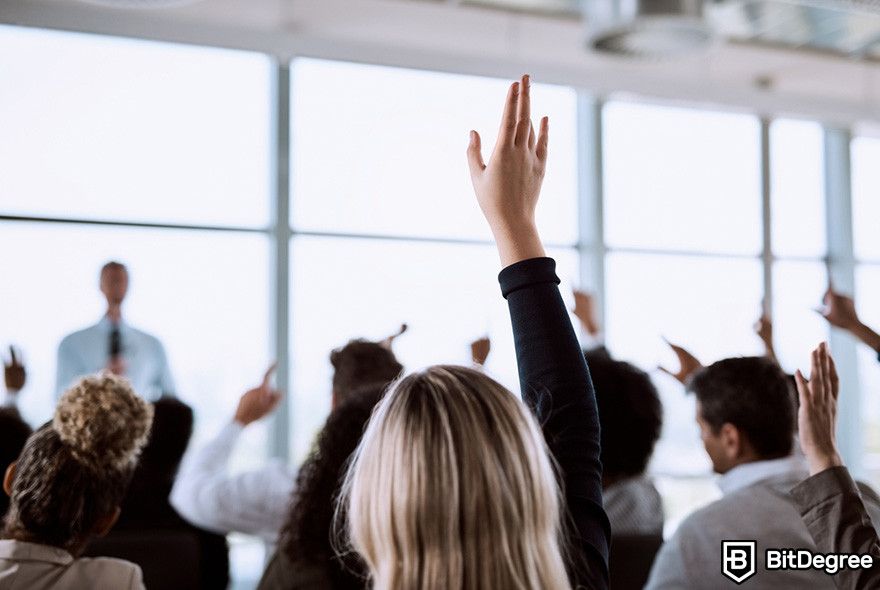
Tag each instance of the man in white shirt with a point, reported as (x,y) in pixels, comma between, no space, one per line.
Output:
(257,502)
(114,345)
(746,414)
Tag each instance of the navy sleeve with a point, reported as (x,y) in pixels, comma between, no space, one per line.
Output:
(556,386)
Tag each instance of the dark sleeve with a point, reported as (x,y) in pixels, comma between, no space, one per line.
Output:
(556,385)
(832,508)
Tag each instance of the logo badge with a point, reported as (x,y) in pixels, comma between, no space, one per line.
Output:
(738,560)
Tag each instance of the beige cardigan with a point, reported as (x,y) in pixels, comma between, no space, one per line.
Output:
(31,566)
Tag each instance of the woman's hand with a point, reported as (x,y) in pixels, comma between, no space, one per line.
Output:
(508,187)
(817,415)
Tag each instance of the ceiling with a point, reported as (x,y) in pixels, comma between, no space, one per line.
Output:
(811,59)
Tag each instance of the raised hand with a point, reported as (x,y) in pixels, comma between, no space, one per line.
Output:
(839,310)
(259,401)
(388,342)
(585,311)
(688,364)
(817,415)
(764,330)
(480,350)
(508,186)
(14,372)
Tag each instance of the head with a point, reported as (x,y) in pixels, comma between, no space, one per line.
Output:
(630,414)
(169,436)
(306,535)
(745,410)
(114,282)
(361,363)
(72,474)
(14,432)
(452,487)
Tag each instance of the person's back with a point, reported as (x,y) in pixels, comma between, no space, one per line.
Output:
(66,488)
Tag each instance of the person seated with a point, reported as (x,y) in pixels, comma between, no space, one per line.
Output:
(746,415)
(305,558)
(256,502)
(146,507)
(14,431)
(840,311)
(631,419)
(830,502)
(67,487)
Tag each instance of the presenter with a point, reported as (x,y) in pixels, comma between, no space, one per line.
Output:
(113,345)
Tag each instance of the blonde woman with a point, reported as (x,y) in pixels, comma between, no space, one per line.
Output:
(453,485)
(67,486)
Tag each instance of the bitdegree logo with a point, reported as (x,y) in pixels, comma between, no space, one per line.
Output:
(802,559)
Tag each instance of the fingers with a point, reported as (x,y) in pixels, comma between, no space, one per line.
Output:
(475,155)
(815,376)
(835,380)
(543,138)
(523,112)
(667,371)
(803,389)
(532,137)
(13,358)
(825,357)
(267,376)
(507,134)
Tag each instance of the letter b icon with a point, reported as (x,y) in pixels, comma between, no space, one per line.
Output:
(738,560)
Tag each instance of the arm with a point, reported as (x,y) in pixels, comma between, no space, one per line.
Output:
(688,364)
(553,374)
(252,502)
(764,330)
(829,501)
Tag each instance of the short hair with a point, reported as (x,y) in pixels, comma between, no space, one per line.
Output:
(630,414)
(74,470)
(169,436)
(753,394)
(14,432)
(360,363)
(113,265)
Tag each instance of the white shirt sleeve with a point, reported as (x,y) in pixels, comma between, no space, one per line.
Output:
(255,502)
(166,381)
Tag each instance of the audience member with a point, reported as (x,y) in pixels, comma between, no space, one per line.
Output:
(305,558)
(13,430)
(830,502)
(746,415)
(453,484)
(840,311)
(67,487)
(631,418)
(146,507)
(256,502)
(114,345)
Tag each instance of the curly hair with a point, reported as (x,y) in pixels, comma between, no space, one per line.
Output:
(74,470)
(360,363)
(306,536)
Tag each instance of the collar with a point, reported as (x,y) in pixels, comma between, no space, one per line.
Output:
(21,551)
(105,324)
(747,474)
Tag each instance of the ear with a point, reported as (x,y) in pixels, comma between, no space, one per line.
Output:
(105,523)
(8,478)
(731,441)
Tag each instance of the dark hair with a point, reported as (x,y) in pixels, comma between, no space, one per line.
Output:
(360,363)
(306,536)
(74,470)
(753,394)
(630,414)
(14,432)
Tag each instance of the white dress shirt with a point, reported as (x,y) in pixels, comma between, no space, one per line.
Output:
(31,566)
(87,351)
(756,506)
(255,502)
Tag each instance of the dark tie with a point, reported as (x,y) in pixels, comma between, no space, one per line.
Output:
(115,342)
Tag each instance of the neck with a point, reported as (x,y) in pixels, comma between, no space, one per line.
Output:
(114,312)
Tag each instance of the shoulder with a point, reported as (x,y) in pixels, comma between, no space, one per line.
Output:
(74,338)
(111,572)
(146,337)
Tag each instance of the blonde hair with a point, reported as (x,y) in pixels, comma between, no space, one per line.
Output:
(452,487)
(75,469)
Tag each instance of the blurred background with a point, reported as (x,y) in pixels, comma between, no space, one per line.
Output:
(280,176)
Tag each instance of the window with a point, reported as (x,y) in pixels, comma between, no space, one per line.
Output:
(866,205)
(381,151)
(107,128)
